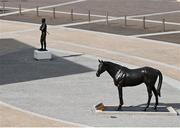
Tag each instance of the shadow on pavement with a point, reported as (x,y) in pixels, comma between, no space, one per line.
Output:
(135,109)
(17,64)
(174,105)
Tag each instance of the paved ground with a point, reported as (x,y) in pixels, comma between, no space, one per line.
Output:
(123,7)
(60,18)
(72,97)
(168,9)
(49,88)
(132,27)
(11,117)
(75,90)
(171,17)
(21,62)
(175,38)
(33,3)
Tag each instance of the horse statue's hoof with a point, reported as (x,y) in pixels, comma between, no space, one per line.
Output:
(145,109)
(155,108)
(119,108)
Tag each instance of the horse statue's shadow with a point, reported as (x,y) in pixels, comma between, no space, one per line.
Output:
(136,108)
(125,77)
(163,107)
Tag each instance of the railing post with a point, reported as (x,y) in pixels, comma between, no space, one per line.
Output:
(3,7)
(144,22)
(164,27)
(125,20)
(89,15)
(107,18)
(37,10)
(20,13)
(54,13)
(72,18)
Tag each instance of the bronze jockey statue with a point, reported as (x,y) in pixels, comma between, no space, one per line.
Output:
(43,29)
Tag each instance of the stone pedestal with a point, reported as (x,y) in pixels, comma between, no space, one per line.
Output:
(42,55)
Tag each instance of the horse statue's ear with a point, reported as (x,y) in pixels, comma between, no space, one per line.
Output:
(100,61)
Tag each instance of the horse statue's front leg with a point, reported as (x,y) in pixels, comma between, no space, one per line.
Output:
(120,98)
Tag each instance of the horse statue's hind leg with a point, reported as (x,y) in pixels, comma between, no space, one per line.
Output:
(120,98)
(149,90)
(156,96)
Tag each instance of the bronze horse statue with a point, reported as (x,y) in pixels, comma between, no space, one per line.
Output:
(124,77)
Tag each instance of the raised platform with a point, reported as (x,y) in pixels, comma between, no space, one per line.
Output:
(42,55)
(136,110)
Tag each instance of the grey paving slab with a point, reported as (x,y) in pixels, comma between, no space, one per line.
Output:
(132,28)
(33,3)
(19,65)
(174,38)
(31,17)
(172,17)
(6,10)
(72,97)
(123,7)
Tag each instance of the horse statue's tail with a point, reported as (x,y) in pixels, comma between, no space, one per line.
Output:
(160,83)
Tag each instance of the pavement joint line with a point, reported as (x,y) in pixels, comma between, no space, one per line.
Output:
(19,109)
(82,23)
(155,14)
(83,14)
(121,54)
(117,18)
(62,4)
(129,18)
(42,116)
(135,16)
(116,35)
(80,14)
(11,8)
(44,7)
(155,21)
(16,12)
(17,32)
(156,34)
(74,29)
(170,81)
(110,17)
(102,20)
(19,22)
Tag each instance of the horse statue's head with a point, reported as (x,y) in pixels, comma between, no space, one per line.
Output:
(101,68)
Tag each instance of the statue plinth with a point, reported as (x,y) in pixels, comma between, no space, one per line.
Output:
(42,55)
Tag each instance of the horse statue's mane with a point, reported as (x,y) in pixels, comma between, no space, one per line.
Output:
(113,64)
